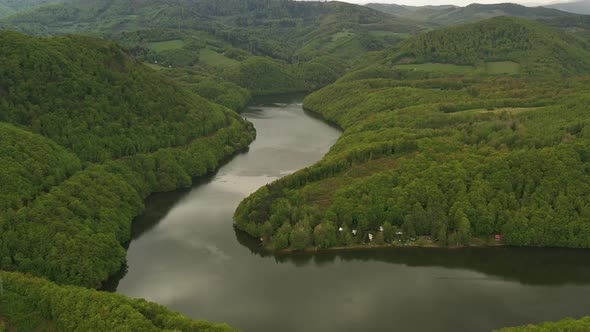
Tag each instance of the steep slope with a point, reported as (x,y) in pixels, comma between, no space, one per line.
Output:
(92,98)
(135,131)
(33,304)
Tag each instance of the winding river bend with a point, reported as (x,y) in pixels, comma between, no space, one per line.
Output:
(186,255)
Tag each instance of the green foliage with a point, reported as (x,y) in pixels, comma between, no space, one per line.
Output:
(30,164)
(264,76)
(101,103)
(566,325)
(75,233)
(538,49)
(448,14)
(88,96)
(444,158)
(30,303)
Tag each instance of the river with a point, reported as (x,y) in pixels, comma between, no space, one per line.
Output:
(186,255)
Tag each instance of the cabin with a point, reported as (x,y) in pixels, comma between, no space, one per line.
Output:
(498,237)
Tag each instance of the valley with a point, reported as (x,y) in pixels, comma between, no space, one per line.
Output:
(211,154)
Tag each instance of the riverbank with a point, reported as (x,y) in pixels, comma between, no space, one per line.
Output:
(419,243)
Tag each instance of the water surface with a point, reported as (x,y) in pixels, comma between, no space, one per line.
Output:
(186,255)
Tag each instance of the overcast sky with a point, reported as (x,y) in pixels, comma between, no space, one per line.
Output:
(454,2)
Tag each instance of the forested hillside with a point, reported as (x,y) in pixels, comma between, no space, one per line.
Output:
(33,304)
(77,98)
(285,46)
(441,158)
(30,164)
(537,49)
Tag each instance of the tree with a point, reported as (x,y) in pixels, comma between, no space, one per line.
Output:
(300,237)
(324,235)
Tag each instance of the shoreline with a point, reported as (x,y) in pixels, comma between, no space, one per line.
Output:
(414,244)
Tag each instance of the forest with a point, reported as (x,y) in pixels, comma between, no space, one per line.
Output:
(88,132)
(34,304)
(450,161)
(452,136)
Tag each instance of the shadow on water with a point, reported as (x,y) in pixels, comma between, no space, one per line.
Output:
(157,207)
(529,266)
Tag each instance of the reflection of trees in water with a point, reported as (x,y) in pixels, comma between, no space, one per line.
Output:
(531,266)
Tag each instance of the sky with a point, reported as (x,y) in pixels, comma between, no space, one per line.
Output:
(454,2)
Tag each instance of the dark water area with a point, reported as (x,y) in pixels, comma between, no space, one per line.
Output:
(186,255)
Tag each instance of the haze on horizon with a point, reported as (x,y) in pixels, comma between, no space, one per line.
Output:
(452,2)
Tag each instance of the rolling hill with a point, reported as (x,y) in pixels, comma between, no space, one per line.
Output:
(306,45)
(450,15)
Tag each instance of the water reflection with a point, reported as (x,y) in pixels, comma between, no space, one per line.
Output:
(528,266)
(185,255)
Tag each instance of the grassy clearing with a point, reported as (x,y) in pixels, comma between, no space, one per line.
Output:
(437,67)
(502,67)
(212,58)
(167,45)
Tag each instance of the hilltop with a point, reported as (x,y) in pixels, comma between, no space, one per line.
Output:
(498,46)
(88,132)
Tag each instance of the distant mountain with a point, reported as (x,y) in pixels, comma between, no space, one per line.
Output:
(10,7)
(5,10)
(578,7)
(448,15)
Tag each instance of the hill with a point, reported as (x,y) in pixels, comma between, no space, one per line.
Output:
(228,38)
(501,45)
(136,132)
(33,304)
(578,7)
(449,15)
(439,155)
